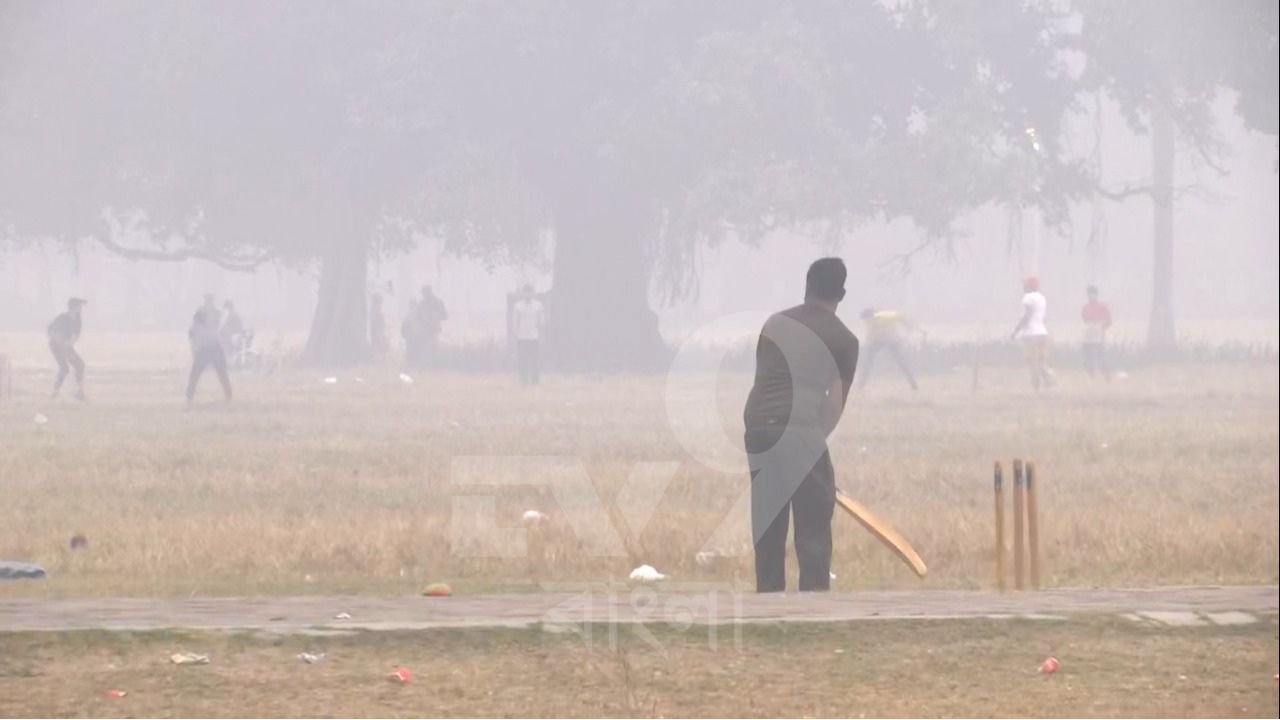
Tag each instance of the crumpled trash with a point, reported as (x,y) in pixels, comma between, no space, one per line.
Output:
(311,658)
(438,589)
(342,616)
(15,570)
(40,419)
(189,658)
(331,381)
(647,573)
(704,558)
(533,517)
(1049,666)
(401,675)
(117,693)
(404,378)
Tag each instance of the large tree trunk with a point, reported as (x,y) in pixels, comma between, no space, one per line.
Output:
(1161,332)
(339,334)
(599,317)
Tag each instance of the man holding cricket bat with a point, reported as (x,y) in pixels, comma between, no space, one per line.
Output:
(805,360)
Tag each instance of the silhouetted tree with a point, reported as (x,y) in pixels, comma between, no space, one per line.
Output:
(1165,62)
(236,133)
(640,132)
(633,133)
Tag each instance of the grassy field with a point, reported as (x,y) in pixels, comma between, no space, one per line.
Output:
(305,487)
(1109,667)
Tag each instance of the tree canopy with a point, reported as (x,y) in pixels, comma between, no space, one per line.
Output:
(633,133)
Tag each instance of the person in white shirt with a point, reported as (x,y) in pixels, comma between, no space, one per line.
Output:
(1034,334)
(527,319)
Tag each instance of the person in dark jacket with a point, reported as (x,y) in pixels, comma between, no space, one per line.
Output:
(63,332)
(206,348)
(805,361)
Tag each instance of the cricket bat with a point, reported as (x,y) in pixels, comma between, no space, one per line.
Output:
(883,532)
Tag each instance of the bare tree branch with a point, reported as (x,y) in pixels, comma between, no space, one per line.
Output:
(230,261)
(1207,147)
(899,264)
(1129,190)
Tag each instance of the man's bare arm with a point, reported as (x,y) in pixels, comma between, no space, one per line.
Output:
(833,407)
(1026,318)
(838,391)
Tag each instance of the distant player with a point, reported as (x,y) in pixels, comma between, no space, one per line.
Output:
(1097,321)
(527,320)
(1034,334)
(232,332)
(421,329)
(206,348)
(805,360)
(886,330)
(64,332)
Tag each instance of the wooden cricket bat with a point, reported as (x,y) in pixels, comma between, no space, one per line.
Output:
(883,532)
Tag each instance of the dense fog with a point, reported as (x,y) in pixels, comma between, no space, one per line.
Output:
(635,160)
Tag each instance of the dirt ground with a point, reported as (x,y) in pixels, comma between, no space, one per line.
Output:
(1109,667)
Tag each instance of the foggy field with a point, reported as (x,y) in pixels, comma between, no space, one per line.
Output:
(302,487)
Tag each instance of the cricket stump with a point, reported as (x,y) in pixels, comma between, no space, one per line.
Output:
(1019,527)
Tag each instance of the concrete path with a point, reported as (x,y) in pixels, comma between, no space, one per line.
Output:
(1165,605)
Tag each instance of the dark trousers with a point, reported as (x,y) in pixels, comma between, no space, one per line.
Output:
(529,362)
(790,476)
(203,358)
(67,359)
(868,359)
(1095,359)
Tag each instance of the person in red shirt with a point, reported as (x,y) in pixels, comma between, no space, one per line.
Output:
(1097,320)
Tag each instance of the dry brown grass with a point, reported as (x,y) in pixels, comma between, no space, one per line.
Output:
(975,668)
(302,487)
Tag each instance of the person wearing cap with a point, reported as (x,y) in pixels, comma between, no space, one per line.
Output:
(206,348)
(63,333)
(887,331)
(1097,321)
(527,320)
(1034,333)
(805,362)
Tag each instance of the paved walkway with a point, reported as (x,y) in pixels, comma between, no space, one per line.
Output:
(1194,605)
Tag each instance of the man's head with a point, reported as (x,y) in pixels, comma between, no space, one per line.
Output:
(1031,283)
(426,291)
(1092,292)
(75,304)
(825,281)
(868,313)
